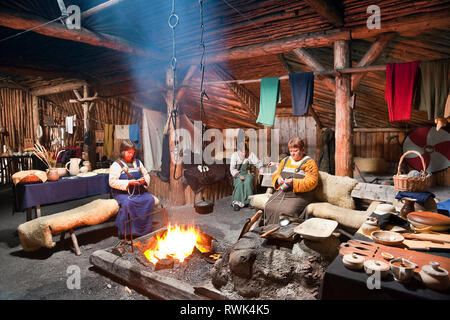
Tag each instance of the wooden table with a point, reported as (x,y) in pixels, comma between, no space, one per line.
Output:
(32,196)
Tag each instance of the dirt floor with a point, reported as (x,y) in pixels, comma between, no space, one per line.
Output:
(44,274)
(48,273)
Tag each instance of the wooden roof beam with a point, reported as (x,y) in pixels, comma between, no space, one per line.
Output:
(68,86)
(25,21)
(371,55)
(420,22)
(311,110)
(328,10)
(314,65)
(245,96)
(100,7)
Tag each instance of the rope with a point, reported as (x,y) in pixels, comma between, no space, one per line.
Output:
(31,29)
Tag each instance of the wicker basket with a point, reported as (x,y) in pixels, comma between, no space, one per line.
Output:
(408,184)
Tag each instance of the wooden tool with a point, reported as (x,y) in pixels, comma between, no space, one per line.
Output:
(426,237)
(269,232)
(371,250)
(248,224)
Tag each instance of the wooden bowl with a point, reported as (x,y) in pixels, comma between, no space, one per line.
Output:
(388,238)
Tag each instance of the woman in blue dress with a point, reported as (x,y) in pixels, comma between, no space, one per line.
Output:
(128,180)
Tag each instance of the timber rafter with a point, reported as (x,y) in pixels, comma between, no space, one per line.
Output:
(25,21)
(245,96)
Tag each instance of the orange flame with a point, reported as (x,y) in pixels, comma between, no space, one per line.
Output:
(177,243)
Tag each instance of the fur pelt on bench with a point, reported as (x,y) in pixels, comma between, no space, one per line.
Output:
(349,218)
(38,233)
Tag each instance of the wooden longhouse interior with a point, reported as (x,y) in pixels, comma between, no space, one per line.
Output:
(77,76)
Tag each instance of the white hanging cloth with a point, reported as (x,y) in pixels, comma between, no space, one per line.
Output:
(152,138)
(122,131)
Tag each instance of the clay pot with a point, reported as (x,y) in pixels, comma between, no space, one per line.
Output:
(61,172)
(369,226)
(353,261)
(372,266)
(84,169)
(402,269)
(407,207)
(88,165)
(435,277)
(52,174)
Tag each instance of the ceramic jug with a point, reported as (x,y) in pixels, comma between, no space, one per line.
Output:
(73,166)
(408,207)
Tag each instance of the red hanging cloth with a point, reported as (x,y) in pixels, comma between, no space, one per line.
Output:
(400,79)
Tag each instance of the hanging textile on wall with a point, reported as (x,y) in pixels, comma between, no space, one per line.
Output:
(270,96)
(108,143)
(400,79)
(135,134)
(302,90)
(326,158)
(122,131)
(152,138)
(433,92)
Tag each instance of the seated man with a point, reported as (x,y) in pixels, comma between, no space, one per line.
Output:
(128,180)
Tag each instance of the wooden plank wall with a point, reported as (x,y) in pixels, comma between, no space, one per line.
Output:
(16,117)
(304,127)
(382,143)
(379,143)
(212,192)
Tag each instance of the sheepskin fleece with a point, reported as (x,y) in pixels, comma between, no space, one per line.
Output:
(335,190)
(19,176)
(347,217)
(258,201)
(38,233)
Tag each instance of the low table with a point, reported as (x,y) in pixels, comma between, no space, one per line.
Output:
(340,283)
(29,196)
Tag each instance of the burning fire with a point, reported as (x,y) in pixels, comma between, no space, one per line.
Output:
(177,243)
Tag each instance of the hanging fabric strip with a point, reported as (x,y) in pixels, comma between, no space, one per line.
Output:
(434,87)
(270,95)
(302,90)
(400,79)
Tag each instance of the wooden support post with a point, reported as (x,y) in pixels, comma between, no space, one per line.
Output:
(35,110)
(176,194)
(344,143)
(75,242)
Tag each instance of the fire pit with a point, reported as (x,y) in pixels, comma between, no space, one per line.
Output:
(173,245)
(213,261)
(169,263)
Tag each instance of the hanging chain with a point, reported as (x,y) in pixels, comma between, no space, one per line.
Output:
(202,69)
(173,22)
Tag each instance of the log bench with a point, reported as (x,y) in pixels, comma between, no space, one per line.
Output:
(39,232)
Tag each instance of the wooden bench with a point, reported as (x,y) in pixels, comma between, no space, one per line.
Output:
(39,232)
